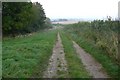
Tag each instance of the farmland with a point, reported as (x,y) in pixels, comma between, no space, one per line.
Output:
(28,56)
(34,46)
(24,56)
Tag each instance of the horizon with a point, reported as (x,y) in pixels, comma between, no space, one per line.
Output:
(79,9)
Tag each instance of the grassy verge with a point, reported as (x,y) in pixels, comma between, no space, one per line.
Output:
(98,54)
(27,56)
(75,66)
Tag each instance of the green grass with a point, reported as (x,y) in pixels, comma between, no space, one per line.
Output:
(75,66)
(27,56)
(98,54)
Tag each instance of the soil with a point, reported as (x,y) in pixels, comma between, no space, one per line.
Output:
(92,66)
(57,62)
(58,65)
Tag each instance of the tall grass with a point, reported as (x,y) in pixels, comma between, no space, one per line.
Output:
(99,38)
(104,34)
(27,56)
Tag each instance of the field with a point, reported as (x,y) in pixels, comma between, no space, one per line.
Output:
(27,56)
(31,55)
(65,22)
(34,45)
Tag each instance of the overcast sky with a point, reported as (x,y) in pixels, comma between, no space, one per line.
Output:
(86,9)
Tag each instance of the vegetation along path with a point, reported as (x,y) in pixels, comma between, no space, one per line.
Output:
(93,67)
(58,66)
(57,63)
(33,46)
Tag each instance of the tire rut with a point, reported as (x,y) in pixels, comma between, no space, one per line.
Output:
(57,62)
(92,66)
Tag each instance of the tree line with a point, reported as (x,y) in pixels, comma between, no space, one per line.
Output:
(23,17)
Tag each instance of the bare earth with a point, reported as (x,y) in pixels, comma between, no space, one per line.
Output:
(57,62)
(58,66)
(65,22)
(94,68)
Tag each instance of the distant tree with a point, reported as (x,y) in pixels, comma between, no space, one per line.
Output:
(38,17)
(48,23)
(22,17)
(15,16)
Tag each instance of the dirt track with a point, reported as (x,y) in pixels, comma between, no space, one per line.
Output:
(93,67)
(57,62)
(58,66)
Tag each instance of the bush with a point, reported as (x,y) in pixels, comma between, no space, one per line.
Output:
(104,34)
